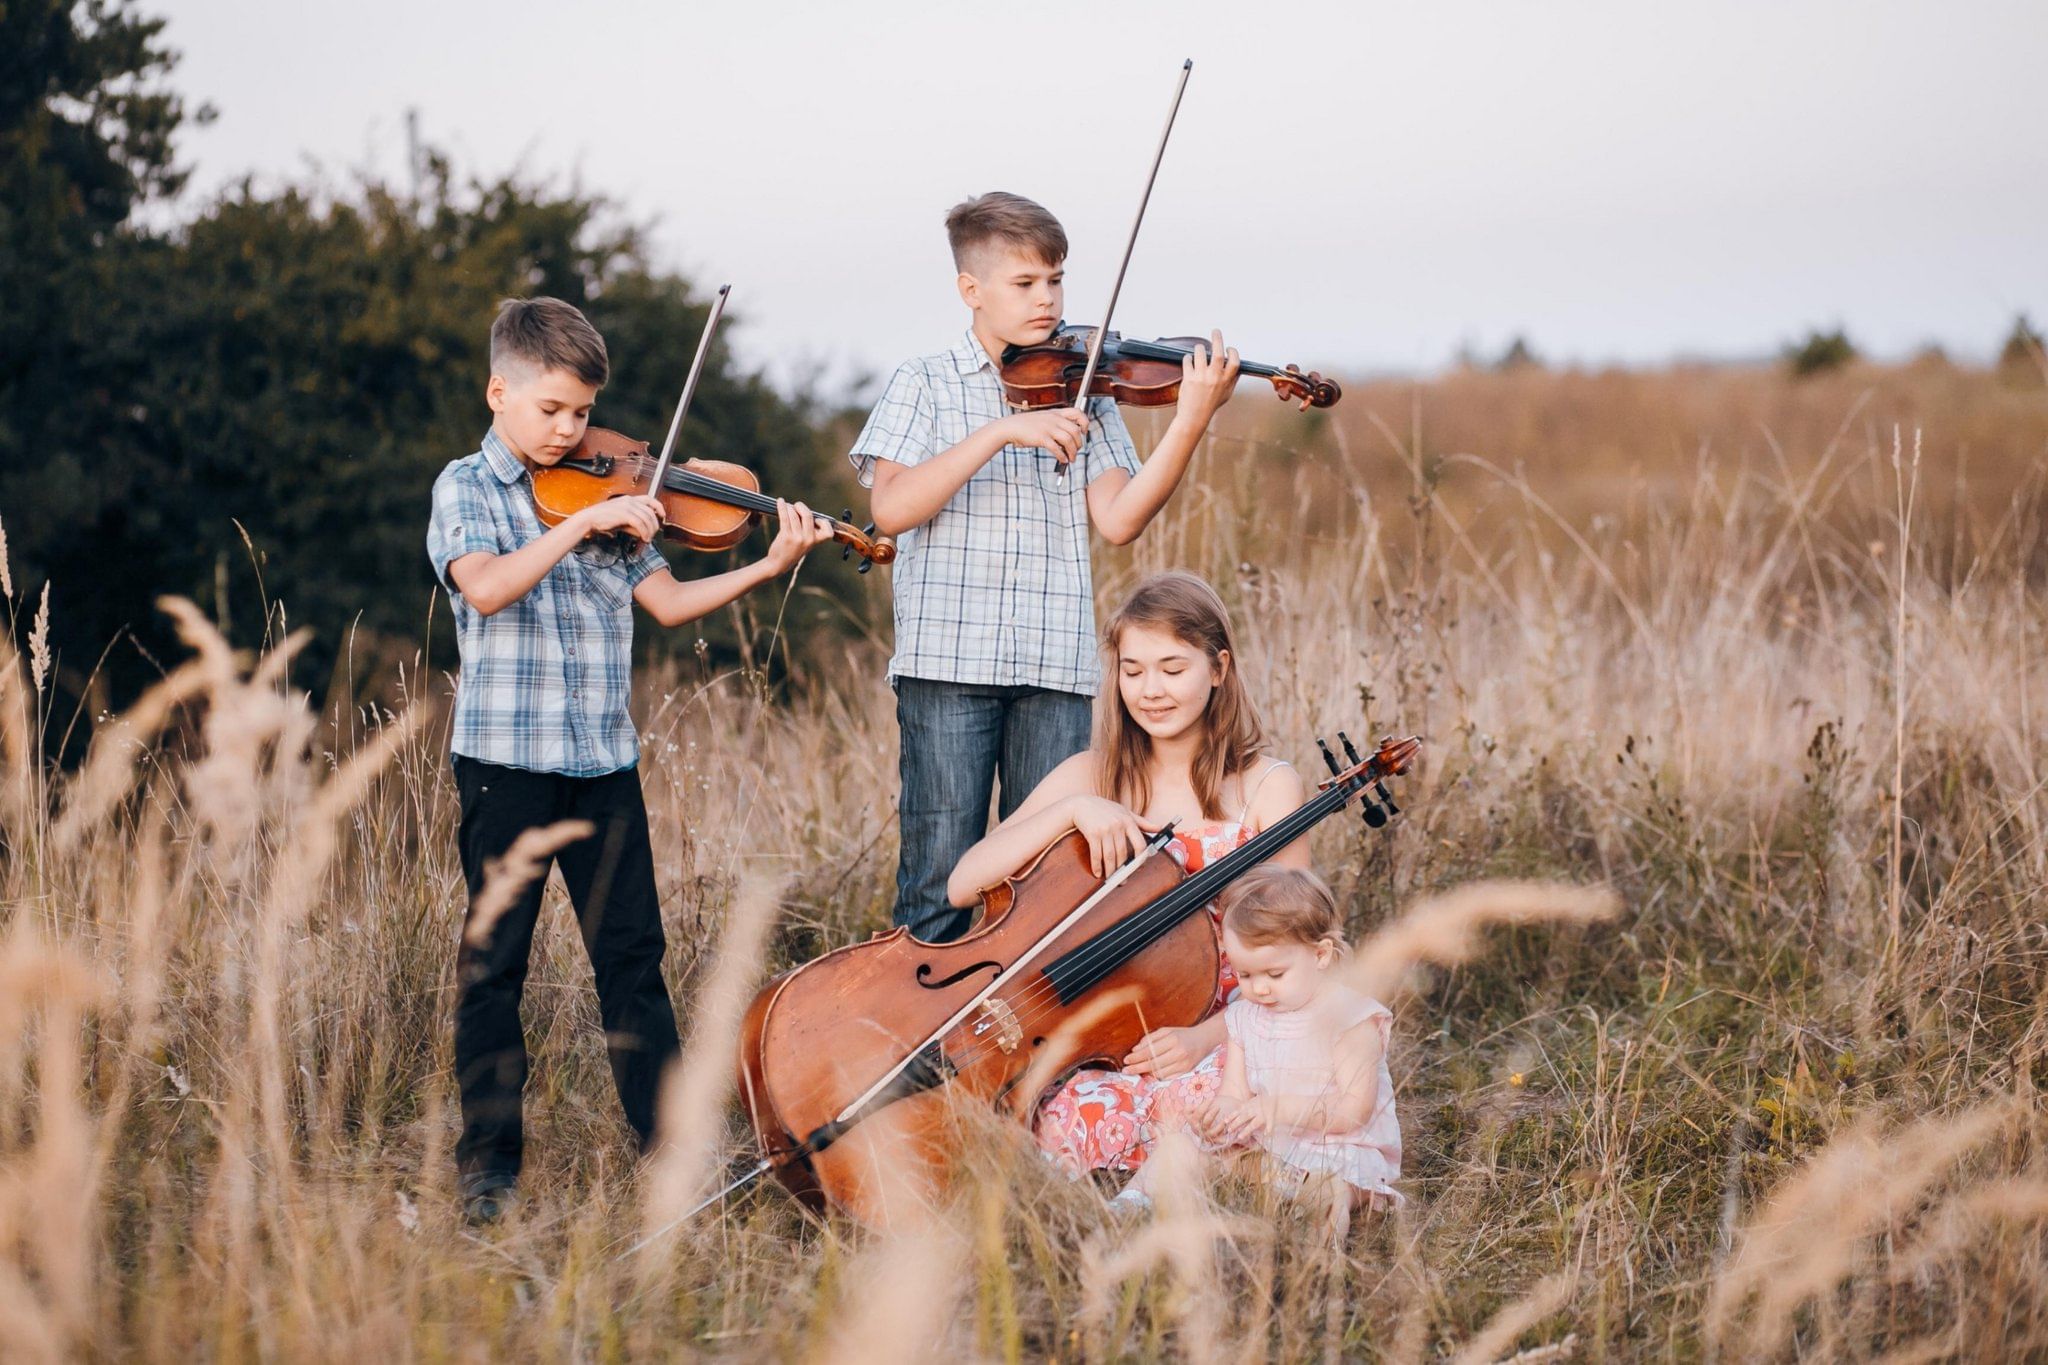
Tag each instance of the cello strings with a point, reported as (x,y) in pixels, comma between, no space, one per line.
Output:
(1129,936)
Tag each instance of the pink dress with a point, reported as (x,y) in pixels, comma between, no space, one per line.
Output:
(1105,1120)
(1293,1052)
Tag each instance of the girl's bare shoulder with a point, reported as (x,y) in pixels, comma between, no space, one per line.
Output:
(1271,788)
(1073,776)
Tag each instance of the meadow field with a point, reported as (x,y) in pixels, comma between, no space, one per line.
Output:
(1763,660)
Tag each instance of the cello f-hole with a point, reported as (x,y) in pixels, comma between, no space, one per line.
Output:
(924,974)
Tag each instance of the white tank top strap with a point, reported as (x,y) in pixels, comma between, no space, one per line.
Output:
(1252,794)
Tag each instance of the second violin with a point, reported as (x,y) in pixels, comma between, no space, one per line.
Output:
(1143,374)
(706,504)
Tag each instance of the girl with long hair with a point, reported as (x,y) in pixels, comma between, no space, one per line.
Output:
(1177,738)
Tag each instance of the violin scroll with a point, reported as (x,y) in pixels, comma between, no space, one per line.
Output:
(1311,389)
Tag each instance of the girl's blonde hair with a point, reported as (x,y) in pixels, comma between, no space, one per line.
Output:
(1188,609)
(1271,904)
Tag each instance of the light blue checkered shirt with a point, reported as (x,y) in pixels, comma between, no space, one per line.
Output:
(997,587)
(545,681)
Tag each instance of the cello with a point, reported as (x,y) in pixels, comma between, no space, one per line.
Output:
(894,1023)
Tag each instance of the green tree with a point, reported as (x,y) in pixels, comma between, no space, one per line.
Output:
(1820,352)
(252,408)
(1518,356)
(86,127)
(293,371)
(85,136)
(2022,358)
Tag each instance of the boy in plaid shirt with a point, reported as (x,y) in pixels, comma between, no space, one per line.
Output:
(995,662)
(544,624)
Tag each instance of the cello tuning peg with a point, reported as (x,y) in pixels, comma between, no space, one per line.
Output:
(1350,752)
(1328,757)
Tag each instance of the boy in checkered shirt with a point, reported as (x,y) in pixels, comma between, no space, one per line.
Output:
(996,662)
(544,624)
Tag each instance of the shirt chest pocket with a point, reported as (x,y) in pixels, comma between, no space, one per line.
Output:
(601,581)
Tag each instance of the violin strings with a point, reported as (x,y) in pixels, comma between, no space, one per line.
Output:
(713,490)
(1166,351)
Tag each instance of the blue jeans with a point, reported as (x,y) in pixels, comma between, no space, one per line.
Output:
(610,877)
(956,738)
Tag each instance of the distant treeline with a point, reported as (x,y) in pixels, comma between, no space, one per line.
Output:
(249,408)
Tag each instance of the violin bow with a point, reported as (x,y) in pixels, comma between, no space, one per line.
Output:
(668,447)
(1095,345)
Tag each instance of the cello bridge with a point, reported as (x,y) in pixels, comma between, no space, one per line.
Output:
(997,1015)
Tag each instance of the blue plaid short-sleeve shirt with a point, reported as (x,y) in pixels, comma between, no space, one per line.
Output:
(997,587)
(544,681)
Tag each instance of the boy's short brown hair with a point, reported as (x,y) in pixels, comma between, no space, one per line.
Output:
(548,334)
(1008,218)
(1273,904)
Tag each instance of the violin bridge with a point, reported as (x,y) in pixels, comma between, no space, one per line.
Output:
(997,1015)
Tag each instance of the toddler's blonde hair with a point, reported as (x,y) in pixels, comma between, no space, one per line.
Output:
(1271,904)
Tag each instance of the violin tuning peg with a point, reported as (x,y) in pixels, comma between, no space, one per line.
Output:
(1350,752)
(846,552)
(847,515)
(1328,757)
(1386,798)
(1375,818)
(868,530)
(865,565)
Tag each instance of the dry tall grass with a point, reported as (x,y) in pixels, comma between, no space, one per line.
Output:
(1785,1104)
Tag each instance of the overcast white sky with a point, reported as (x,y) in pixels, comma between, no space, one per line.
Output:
(1357,186)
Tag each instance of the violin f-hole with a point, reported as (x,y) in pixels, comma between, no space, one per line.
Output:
(924,974)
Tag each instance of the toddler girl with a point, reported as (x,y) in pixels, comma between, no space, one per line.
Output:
(1305,1066)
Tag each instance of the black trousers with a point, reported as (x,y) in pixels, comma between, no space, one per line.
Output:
(610,877)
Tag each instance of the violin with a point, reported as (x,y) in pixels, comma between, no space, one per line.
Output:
(1144,374)
(706,504)
(1066,970)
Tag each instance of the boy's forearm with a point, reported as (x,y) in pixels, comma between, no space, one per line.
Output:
(1138,501)
(504,579)
(699,597)
(915,493)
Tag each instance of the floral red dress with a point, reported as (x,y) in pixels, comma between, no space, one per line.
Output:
(1105,1120)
